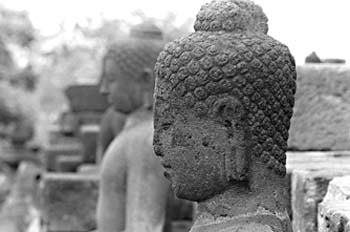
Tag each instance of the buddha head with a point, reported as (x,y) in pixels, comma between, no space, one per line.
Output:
(224,98)
(128,77)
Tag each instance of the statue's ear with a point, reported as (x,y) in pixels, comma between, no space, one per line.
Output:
(229,110)
(230,113)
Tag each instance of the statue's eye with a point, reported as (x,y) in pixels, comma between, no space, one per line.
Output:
(182,138)
(227,123)
(166,126)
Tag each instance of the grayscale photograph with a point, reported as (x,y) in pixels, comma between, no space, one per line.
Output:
(174,116)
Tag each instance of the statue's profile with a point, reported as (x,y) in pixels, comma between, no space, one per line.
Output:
(133,191)
(224,98)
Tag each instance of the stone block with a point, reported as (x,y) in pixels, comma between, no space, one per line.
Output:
(86,98)
(334,216)
(56,136)
(51,153)
(321,119)
(309,187)
(334,211)
(317,160)
(69,202)
(88,169)
(88,135)
(68,163)
(88,118)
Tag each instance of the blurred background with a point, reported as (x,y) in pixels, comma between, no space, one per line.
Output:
(46,46)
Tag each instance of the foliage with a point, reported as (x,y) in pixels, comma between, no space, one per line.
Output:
(16,104)
(16,27)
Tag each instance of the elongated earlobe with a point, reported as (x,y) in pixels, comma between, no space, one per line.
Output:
(230,113)
(236,164)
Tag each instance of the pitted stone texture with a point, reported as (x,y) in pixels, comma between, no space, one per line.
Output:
(334,216)
(49,157)
(85,98)
(321,119)
(88,135)
(334,211)
(309,188)
(197,70)
(69,202)
(231,16)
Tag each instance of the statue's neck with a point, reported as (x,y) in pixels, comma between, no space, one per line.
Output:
(263,201)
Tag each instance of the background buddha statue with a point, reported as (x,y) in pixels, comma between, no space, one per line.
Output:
(224,98)
(133,191)
(112,123)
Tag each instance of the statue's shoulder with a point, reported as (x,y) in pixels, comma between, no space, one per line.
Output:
(140,131)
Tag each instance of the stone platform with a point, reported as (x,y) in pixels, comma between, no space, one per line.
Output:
(310,174)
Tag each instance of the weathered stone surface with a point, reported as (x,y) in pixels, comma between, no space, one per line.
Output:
(309,187)
(84,98)
(321,119)
(88,135)
(51,153)
(334,211)
(69,202)
(338,189)
(224,100)
(313,161)
(69,163)
(334,216)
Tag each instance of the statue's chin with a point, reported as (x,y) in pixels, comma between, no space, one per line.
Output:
(188,194)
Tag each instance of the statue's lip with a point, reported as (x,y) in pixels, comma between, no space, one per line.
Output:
(165,165)
(167,175)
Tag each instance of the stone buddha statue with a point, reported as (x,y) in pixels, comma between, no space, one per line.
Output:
(133,191)
(224,98)
(112,121)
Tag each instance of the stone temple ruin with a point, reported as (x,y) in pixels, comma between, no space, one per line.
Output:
(259,143)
